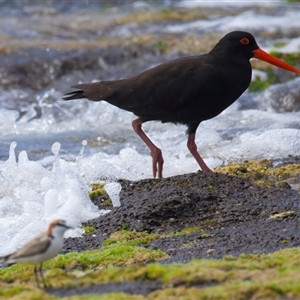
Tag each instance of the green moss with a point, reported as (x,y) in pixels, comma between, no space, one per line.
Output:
(121,249)
(284,241)
(118,255)
(185,231)
(282,214)
(8,274)
(263,172)
(290,58)
(169,14)
(208,224)
(183,184)
(105,6)
(97,190)
(265,276)
(204,236)
(107,203)
(258,85)
(161,46)
(132,238)
(211,187)
(279,44)
(24,292)
(203,227)
(109,296)
(246,274)
(202,230)
(189,245)
(283,185)
(125,226)
(88,229)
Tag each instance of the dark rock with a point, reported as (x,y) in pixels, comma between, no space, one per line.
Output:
(232,213)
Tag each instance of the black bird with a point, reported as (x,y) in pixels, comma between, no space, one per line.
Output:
(186,90)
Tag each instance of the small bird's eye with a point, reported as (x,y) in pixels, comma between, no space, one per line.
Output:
(244,41)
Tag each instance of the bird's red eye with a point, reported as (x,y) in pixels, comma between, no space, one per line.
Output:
(244,41)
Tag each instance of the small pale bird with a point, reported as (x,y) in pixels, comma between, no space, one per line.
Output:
(43,247)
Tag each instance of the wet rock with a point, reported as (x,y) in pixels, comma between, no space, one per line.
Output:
(280,98)
(231,213)
(38,68)
(137,287)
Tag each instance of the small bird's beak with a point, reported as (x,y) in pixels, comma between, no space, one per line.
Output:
(67,226)
(262,55)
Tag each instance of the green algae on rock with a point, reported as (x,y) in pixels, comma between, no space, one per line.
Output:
(263,172)
(247,276)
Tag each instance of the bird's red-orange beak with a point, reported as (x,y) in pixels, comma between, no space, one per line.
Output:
(262,55)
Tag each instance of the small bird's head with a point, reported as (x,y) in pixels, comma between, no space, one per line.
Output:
(58,227)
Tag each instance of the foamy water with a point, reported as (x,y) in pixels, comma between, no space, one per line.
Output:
(94,142)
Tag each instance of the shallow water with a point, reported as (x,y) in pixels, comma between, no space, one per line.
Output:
(46,49)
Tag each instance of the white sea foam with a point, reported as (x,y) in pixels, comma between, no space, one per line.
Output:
(249,20)
(228,3)
(289,46)
(32,196)
(113,190)
(222,3)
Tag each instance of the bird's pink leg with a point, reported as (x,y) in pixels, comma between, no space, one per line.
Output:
(157,158)
(193,149)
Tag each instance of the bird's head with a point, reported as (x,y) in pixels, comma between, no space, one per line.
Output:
(58,227)
(241,43)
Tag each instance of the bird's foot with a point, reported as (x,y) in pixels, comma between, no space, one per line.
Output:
(157,162)
(206,170)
